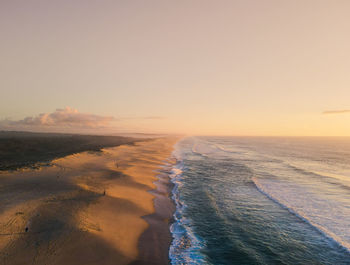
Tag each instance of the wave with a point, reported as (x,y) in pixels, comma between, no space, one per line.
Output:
(331,178)
(186,246)
(328,217)
(203,148)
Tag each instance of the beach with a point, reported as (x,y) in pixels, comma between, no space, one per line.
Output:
(107,207)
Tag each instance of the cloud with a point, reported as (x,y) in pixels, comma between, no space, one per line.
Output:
(62,118)
(70,120)
(336,111)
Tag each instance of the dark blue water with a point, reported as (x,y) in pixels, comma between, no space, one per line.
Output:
(261,201)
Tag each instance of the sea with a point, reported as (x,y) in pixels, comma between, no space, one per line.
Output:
(261,200)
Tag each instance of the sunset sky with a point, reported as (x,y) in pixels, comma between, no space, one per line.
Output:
(232,67)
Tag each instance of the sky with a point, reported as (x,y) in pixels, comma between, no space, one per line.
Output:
(250,67)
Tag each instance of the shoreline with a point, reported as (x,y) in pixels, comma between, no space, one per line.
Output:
(159,222)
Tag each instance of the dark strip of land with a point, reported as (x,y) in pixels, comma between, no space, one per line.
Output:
(26,149)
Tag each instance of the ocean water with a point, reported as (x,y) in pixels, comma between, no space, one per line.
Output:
(261,201)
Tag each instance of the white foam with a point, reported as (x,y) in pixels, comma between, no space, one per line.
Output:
(328,215)
(186,246)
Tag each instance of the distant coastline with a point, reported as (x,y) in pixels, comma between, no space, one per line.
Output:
(27,149)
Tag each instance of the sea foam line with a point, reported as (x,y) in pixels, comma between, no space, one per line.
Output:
(186,246)
(328,234)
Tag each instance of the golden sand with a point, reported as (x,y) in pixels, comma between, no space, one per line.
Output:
(86,209)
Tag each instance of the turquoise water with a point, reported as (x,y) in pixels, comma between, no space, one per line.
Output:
(261,201)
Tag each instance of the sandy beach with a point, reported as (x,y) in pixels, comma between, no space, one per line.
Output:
(108,207)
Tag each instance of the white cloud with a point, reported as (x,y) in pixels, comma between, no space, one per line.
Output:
(336,111)
(62,118)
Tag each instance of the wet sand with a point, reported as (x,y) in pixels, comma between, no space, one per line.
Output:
(155,241)
(89,208)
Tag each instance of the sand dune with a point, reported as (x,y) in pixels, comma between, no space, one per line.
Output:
(87,208)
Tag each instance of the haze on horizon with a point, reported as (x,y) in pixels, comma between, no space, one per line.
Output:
(196,67)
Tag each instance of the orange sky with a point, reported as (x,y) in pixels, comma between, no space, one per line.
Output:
(258,67)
